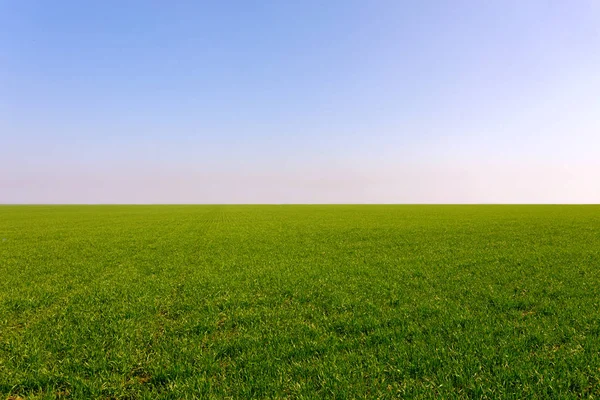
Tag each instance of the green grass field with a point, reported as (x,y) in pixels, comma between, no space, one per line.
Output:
(299,302)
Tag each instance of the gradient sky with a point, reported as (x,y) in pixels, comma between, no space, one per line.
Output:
(300,101)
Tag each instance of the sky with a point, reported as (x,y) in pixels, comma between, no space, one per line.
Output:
(300,101)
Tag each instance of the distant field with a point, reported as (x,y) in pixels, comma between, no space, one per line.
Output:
(299,302)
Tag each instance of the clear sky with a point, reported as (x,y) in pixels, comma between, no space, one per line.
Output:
(300,101)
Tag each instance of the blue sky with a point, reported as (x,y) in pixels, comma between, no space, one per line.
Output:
(300,102)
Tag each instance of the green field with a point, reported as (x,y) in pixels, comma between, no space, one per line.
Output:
(299,302)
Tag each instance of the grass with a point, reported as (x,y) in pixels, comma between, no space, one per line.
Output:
(299,302)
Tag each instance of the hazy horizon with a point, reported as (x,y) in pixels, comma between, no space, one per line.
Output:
(272,103)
